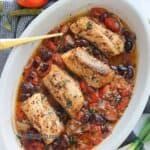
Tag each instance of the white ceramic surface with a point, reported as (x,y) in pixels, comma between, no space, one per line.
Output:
(41,25)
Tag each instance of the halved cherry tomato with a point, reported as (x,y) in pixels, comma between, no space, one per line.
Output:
(19,113)
(50,45)
(83,86)
(31,76)
(111,115)
(96,12)
(56,58)
(112,24)
(32,3)
(34,145)
(44,69)
(94,97)
(93,137)
(123,104)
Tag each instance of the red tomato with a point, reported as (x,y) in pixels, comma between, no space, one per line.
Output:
(20,114)
(32,3)
(96,12)
(94,97)
(56,58)
(50,45)
(112,24)
(91,138)
(111,115)
(34,145)
(123,104)
(83,86)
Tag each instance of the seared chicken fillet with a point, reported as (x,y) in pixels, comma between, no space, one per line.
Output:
(43,117)
(65,90)
(108,42)
(92,70)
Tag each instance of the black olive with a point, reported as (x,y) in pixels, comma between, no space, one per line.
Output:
(103,16)
(85,118)
(44,67)
(32,75)
(97,119)
(25,96)
(130,73)
(65,48)
(122,68)
(27,87)
(61,143)
(130,40)
(126,71)
(81,42)
(128,46)
(128,35)
(96,52)
(36,62)
(45,55)
(114,68)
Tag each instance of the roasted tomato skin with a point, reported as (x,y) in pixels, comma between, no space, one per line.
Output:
(112,24)
(32,3)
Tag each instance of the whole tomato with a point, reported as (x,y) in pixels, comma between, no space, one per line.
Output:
(32,3)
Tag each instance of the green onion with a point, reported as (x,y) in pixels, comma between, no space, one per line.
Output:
(7,25)
(134,145)
(144,136)
(145,130)
(89,25)
(25,12)
(147,138)
(69,103)
(1,6)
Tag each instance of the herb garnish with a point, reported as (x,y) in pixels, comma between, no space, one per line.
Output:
(89,25)
(92,111)
(7,25)
(69,103)
(72,140)
(1,7)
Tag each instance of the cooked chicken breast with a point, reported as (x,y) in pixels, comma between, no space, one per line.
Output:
(43,117)
(108,42)
(94,71)
(65,90)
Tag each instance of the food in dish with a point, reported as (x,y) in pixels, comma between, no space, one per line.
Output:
(87,82)
(43,117)
(65,90)
(108,42)
(93,71)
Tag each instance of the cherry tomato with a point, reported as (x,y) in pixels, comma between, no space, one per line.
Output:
(111,115)
(56,58)
(34,145)
(94,97)
(44,69)
(123,104)
(96,12)
(50,45)
(83,86)
(20,114)
(32,3)
(112,24)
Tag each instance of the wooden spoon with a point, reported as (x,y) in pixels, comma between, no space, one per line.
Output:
(8,43)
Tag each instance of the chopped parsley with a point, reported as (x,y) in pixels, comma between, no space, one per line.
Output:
(72,140)
(89,25)
(69,104)
(92,111)
(7,25)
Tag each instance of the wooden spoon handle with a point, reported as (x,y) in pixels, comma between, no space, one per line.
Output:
(8,43)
